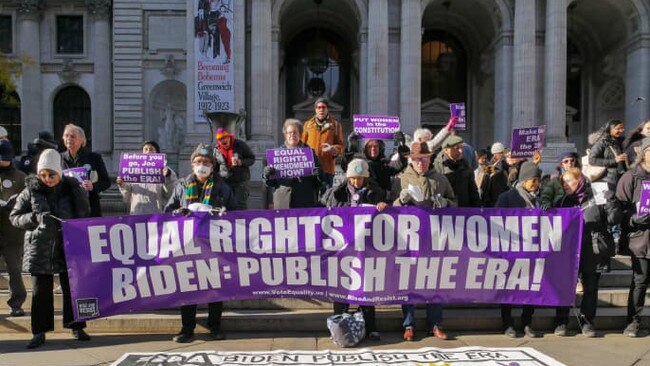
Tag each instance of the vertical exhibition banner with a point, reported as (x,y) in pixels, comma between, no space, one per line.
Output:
(214,71)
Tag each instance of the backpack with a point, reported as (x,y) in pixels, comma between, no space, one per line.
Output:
(347,330)
(592,172)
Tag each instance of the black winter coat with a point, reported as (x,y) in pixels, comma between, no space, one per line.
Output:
(241,173)
(597,218)
(44,240)
(461,178)
(92,161)
(601,154)
(628,192)
(340,196)
(495,184)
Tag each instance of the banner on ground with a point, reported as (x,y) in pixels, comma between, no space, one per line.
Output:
(213,57)
(79,173)
(644,199)
(525,141)
(291,163)
(464,356)
(356,255)
(458,110)
(375,127)
(142,168)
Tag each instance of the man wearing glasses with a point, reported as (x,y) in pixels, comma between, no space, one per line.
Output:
(553,190)
(419,185)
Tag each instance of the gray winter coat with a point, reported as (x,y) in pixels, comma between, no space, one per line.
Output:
(43,237)
(148,198)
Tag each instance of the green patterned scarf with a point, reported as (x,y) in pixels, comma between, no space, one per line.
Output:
(192,191)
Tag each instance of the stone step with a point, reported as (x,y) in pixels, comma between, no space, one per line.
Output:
(388,320)
(607,297)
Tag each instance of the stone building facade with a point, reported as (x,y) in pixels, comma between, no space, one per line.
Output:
(568,64)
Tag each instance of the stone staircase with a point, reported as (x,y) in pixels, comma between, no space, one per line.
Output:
(308,315)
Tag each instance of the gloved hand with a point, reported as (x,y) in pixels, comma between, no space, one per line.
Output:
(268,171)
(399,138)
(317,171)
(219,211)
(182,211)
(451,123)
(439,201)
(544,206)
(636,220)
(405,197)
(403,150)
(218,156)
(44,218)
(353,138)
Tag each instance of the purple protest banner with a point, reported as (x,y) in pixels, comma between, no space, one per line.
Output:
(525,141)
(142,168)
(458,110)
(375,127)
(291,163)
(644,199)
(355,255)
(80,173)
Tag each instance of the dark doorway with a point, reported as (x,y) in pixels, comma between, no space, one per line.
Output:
(72,105)
(10,119)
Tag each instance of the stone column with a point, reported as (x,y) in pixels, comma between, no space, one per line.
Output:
(238,61)
(261,71)
(32,118)
(637,83)
(410,65)
(523,97)
(503,87)
(363,71)
(555,70)
(102,121)
(378,57)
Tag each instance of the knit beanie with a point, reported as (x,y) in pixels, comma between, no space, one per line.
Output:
(357,168)
(497,147)
(322,100)
(203,150)
(221,133)
(50,159)
(529,170)
(3,133)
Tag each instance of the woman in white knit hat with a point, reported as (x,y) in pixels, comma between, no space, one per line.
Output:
(358,189)
(47,198)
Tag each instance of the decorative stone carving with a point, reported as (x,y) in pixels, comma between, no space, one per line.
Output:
(30,9)
(170,70)
(68,74)
(99,8)
(172,133)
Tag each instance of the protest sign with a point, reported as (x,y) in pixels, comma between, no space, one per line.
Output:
(525,141)
(291,163)
(375,127)
(644,199)
(357,255)
(473,355)
(80,173)
(458,110)
(142,168)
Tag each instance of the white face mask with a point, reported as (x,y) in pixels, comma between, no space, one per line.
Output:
(202,171)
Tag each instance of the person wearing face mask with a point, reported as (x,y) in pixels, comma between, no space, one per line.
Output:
(358,189)
(77,155)
(607,151)
(48,198)
(201,190)
(523,195)
(148,198)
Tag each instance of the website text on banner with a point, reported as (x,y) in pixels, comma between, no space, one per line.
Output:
(356,255)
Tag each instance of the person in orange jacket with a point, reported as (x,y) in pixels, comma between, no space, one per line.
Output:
(324,134)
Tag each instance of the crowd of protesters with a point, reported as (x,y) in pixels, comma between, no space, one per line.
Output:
(427,170)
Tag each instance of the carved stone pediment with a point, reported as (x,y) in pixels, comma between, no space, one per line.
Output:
(434,112)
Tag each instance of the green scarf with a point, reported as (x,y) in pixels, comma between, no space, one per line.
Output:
(192,191)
